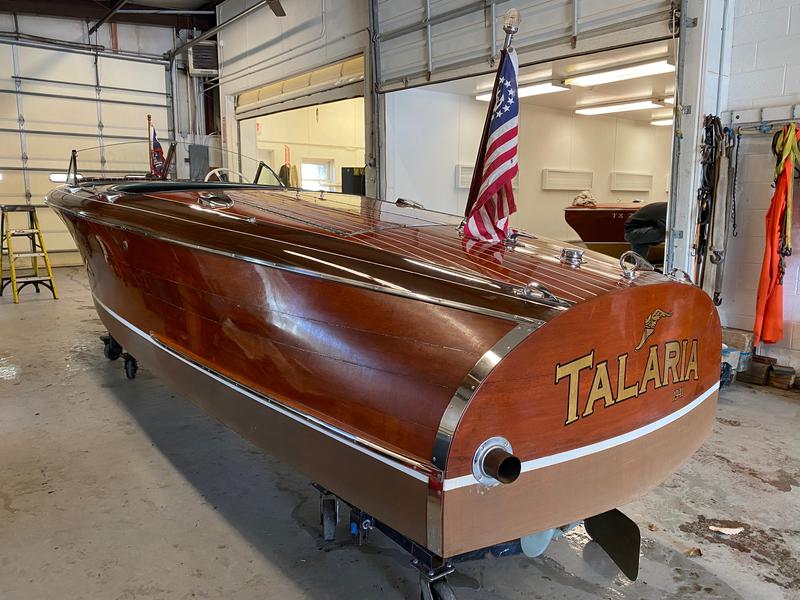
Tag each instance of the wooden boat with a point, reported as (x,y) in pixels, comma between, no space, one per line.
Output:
(602,227)
(459,394)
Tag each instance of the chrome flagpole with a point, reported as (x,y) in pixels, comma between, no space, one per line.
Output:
(150,143)
(511,21)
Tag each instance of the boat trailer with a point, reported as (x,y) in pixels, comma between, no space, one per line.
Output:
(617,534)
(613,531)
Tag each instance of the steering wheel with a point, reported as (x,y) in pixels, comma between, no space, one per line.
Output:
(219,170)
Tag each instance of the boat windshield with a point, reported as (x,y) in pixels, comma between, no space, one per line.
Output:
(176,161)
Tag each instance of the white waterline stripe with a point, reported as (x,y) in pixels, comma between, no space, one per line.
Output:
(305,420)
(554,459)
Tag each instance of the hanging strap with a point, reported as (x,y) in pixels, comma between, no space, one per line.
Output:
(786,149)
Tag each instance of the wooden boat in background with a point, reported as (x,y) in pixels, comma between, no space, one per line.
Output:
(457,395)
(602,227)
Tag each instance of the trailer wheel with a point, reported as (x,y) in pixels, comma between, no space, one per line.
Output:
(439,590)
(329,514)
(131,366)
(111,348)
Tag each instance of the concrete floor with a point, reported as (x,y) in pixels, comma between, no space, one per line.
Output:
(116,489)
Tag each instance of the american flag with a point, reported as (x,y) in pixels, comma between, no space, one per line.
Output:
(157,157)
(491,197)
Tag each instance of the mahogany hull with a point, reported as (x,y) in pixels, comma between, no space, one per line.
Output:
(383,391)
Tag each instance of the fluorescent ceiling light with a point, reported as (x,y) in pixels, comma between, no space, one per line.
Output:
(547,87)
(615,108)
(661,122)
(643,70)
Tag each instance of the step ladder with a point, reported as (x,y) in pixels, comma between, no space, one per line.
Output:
(18,276)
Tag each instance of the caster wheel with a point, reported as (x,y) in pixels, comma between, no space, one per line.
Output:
(329,516)
(439,590)
(111,348)
(131,367)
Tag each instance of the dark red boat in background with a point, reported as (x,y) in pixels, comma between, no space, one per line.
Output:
(601,227)
(458,397)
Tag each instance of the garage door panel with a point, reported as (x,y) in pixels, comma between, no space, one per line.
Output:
(145,97)
(57,89)
(10,154)
(121,119)
(336,81)
(12,187)
(56,236)
(126,158)
(461,34)
(59,66)
(65,114)
(394,15)
(126,73)
(6,67)
(40,184)
(59,116)
(8,111)
(45,151)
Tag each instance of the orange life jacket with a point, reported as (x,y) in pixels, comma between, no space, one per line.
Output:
(768,326)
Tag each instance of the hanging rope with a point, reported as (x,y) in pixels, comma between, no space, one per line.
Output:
(738,143)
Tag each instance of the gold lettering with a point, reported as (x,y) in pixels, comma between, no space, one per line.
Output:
(572,370)
(692,366)
(623,393)
(601,389)
(683,359)
(672,360)
(651,371)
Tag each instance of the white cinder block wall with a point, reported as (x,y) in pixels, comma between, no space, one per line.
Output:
(764,72)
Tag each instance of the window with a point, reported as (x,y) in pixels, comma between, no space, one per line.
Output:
(317,175)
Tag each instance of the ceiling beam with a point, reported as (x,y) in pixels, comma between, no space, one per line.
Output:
(117,5)
(89,10)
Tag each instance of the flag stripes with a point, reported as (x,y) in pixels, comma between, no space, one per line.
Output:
(493,202)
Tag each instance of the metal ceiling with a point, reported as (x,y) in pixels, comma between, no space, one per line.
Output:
(184,14)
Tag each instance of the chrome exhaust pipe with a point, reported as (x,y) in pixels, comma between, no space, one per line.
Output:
(494,463)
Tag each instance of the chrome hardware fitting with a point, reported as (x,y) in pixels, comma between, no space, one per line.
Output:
(680,276)
(536,291)
(572,257)
(631,263)
(405,203)
(215,200)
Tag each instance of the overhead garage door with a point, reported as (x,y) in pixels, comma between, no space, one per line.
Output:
(54,101)
(423,41)
(337,81)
